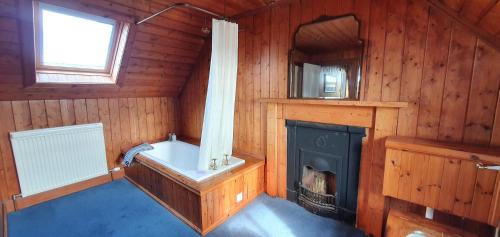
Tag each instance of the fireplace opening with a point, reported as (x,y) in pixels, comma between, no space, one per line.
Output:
(323,168)
(317,191)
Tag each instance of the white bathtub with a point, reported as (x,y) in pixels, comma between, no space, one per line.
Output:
(183,158)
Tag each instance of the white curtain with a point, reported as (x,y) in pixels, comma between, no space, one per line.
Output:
(217,133)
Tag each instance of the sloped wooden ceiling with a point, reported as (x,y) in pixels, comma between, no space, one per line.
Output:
(161,56)
(482,13)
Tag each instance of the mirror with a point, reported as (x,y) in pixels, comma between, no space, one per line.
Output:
(325,62)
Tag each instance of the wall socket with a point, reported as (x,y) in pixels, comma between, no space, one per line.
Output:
(239,197)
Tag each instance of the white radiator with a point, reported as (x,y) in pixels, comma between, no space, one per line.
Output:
(54,157)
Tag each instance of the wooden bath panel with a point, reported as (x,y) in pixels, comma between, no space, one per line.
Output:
(205,205)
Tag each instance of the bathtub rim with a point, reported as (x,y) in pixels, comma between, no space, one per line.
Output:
(239,163)
(205,185)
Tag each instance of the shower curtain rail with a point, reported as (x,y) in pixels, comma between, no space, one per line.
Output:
(180,5)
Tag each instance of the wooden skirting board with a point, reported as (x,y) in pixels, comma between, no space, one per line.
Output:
(24,202)
(205,205)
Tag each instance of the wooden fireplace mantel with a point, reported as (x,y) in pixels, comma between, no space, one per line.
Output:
(380,120)
(344,103)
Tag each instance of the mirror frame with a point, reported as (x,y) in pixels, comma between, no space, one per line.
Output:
(320,19)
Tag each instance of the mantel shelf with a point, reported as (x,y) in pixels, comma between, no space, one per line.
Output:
(349,103)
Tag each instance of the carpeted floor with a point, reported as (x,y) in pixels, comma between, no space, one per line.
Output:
(121,209)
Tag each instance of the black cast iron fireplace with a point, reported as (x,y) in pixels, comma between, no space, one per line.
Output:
(323,168)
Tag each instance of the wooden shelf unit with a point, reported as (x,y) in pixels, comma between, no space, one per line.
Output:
(444,176)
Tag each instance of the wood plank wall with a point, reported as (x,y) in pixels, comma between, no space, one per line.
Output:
(157,61)
(413,53)
(127,122)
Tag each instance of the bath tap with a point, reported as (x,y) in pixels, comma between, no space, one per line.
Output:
(225,160)
(172,137)
(213,164)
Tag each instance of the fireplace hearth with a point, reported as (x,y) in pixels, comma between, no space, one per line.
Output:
(323,168)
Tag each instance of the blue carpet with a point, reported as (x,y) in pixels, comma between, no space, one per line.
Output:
(121,209)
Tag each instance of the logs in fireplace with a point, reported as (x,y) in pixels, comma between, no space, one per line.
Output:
(323,168)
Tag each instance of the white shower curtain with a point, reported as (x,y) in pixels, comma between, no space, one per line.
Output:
(217,133)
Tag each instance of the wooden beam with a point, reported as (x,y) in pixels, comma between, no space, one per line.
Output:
(27,41)
(483,35)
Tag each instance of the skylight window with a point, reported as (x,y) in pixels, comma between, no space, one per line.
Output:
(75,43)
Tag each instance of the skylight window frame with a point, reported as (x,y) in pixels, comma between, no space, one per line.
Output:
(77,75)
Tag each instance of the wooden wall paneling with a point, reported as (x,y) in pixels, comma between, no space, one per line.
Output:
(116,137)
(22,115)
(115,114)
(362,11)
(67,112)
(318,8)
(165,117)
(174,114)
(54,116)
(376,46)
(307,11)
(265,74)
(80,111)
(394,43)
(451,171)
(284,28)
(124,121)
(434,74)
(392,172)
(465,189)
(256,76)
(38,114)
(483,95)
(141,111)
(413,58)
(457,84)
(249,85)
(483,194)
(9,173)
(172,37)
(105,118)
(273,54)
(420,167)
(134,121)
(238,114)
(444,65)
(405,175)
(92,110)
(158,118)
(243,83)
(433,181)
(150,119)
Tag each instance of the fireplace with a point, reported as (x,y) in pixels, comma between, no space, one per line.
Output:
(323,168)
